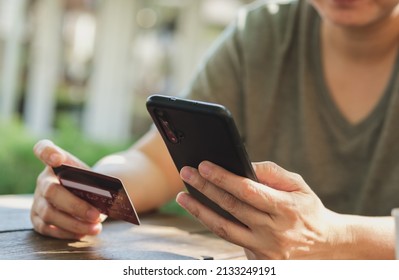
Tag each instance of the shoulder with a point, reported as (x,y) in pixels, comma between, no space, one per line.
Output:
(267,13)
(269,23)
(262,10)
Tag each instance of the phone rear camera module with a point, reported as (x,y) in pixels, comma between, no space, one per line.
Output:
(167,128)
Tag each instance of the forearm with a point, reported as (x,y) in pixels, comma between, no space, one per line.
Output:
(366,238)
(146,171)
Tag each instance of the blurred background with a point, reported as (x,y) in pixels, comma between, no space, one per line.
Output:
(78,72)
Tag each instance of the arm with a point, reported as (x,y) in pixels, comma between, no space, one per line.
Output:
(146,170)
(285,219)
(371,238)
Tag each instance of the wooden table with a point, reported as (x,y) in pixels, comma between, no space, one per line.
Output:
(160,237)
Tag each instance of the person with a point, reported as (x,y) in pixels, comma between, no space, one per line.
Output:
(314,88)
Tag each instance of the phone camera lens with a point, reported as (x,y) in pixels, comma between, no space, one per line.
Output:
(165,123)
(172,136)
(159,112)
(173,139)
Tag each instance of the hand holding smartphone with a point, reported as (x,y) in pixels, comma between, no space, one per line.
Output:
(195,131)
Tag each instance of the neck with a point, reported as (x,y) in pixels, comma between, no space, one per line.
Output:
(363,44)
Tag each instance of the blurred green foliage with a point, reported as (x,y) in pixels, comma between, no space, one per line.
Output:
(19,167)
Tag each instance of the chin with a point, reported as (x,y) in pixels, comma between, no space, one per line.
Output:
(350,20)
(354,13)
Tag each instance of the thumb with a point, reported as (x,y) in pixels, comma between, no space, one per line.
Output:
(52,155)
(276,177)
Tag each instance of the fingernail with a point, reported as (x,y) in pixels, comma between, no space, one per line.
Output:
(205,168)
(92,215)
(186,173)
(96,228)
(38,148)
(181,199)
(55,159)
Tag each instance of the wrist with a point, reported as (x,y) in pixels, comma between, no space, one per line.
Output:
(339,235)
(359,237)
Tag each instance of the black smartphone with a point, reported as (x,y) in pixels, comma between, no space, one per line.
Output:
(195,131)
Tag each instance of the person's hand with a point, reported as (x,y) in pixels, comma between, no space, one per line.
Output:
(55,211)
(284,218)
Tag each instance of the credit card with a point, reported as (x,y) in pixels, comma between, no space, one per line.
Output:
(104,192)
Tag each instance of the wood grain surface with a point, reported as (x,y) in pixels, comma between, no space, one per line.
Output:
(160,237)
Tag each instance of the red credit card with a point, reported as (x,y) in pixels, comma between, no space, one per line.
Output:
(105,193)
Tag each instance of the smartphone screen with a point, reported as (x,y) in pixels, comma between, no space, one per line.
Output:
(195,131)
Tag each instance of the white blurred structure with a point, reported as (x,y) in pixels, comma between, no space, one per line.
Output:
(100,57)
(110,99)
(12,24)
(44,69)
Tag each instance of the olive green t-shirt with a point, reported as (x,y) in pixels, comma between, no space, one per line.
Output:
(267,70)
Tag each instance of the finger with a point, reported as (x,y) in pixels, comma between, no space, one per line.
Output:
(52,155)
(271,174)
(242,210)
(65,201)
(264,198)
(220,226)
(51,230)
(49,215)
(45,229)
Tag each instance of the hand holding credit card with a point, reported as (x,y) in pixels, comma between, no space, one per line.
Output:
(105,193)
